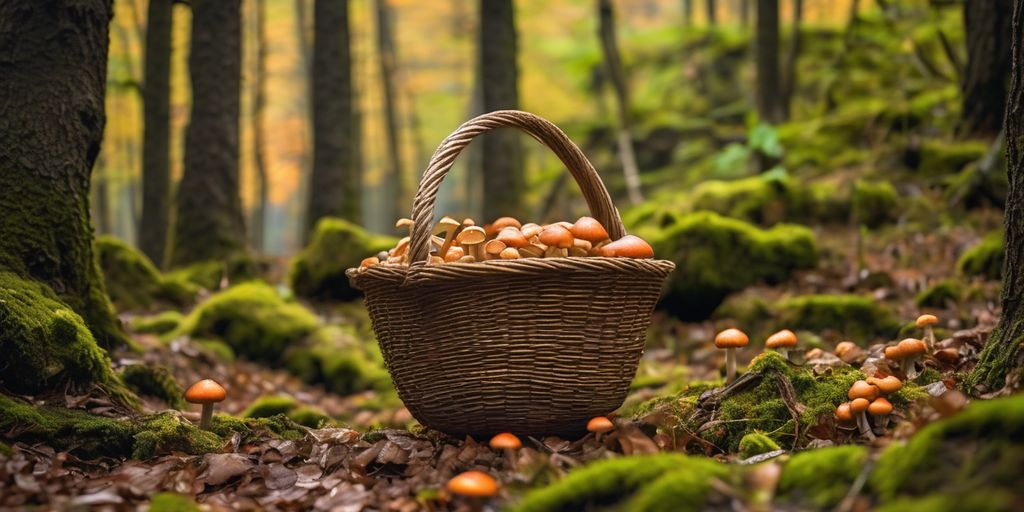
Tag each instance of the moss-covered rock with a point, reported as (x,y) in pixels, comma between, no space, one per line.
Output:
(984,259)
(681,489)
(756,443)
(940,294)
(239,268)
(154,381)
(873,203)
(252,318)
(309,416)
(272,405)
(66,429)
(942,157)
(318,272)
(166,432)
(172,502)
(858,318)
(161,323)
(340,359)
(821,478)
(716,256)
(133,282)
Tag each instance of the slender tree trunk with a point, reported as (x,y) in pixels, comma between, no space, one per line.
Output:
(1003,357)
(792,56)
(711,6)
(502,151)
(53,78)
(744,8)
(687,12)
(333,190)
(210,224)
(987,29)
(613,65)
(769,106)
(394,175)
(259,216)
(156,138)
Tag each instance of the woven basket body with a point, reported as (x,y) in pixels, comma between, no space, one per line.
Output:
(531,346)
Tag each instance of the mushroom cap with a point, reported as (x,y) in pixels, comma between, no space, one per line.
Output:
(556,236)
(600,424)
(401,223)
(468,222)
(924,320)
(474,484)
(890,384)
(512,237)
(494,247)
(861,389)
(471,235)
(731,338)
(858,405)
(844,347)
(372,260)
(506,441)
(509,253)
(912,347)
(783,338)
(589,229)
(628,246)
(894,352)
(880,407)
(843,412)
(504,222)
(205,391)
(947,355)
(530,230)
(454,253)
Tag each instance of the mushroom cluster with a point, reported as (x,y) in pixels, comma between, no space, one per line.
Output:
(867,397)
(508,239)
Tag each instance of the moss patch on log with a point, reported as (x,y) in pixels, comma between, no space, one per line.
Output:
(133,282)
(318,272)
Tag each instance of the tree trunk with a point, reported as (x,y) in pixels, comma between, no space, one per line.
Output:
(259,216)
(712,11)
(209,224)
(687,12)
(987,30)
(744,8)
(156,138)
(502,150)
(613,65)
(1003,356)
(769,106)
(333,191)
(394,177)
(793,54)
(54,63)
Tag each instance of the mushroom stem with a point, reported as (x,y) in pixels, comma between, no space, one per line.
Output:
(207,417)
(784,352)
(929,337)
(910,367)
(862,425)
(730,365)
(882,422)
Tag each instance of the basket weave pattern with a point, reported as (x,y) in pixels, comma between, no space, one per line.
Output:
(532,346)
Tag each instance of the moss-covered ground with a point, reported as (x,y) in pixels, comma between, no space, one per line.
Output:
(133,282)
(318,272)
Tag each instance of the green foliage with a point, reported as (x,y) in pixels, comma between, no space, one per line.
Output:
(756,443)
(252,318)
(939,294)
(267,406)
(856,317)
(133,283)
(161,323)
(154,381)
(172,502)
(944,157)
(821,478)
(984,259)
(874,203)
(341,359)
(716,256)
(318,272)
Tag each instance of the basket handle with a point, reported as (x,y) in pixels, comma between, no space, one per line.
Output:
(598,200)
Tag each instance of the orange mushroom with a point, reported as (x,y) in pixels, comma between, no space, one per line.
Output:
(880,409)
(843,413)
(558,239)
(730,340)
(781,341)
(858,407)
(205,392)
(599,425)
(473,484)
(589,229)
(926,322)
(628,246)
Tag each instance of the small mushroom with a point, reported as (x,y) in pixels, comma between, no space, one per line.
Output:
(911,351)
(781,341)
(886,385)
(848,351)
(558,240)
(505,222)
(493,248)
(367,262)
(530,230)
(475,485)
(628,246)
(471,239)
(947,355)
(860,395)
(508,443)
(512,237)
(466,259)
(454,254)
(844,415)
(401,249)
(859,406)
(405,223)
(451,228)
(509,253)
(599,425)
(589,229)
(926,322)
(880,409)
(730,340)
(205,392)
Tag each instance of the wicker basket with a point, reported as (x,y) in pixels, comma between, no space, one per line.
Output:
(532,346)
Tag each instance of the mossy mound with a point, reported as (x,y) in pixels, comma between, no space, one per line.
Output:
(252,318)
(943,157)
(209,275)
(161,323)
(873,203)
(271,405)
(941,294)
(340,359)
(44,344)
(318,272)
(133,282)
(984,259)
(166,432)
(756,443)
(716,256)
(154,381)
(856,317)
(821,478)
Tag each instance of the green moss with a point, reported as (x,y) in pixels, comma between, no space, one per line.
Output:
(821,477)
(984,259)
(172,502)
(856,317)
(940,294)
(943,157)
(975,500)
(266,406)
(756,443)
(252,318)
(6,450)
(216,348)
(681,489)
(161,323)
(981,447)
(251,428)
(238,268)
(45,345)
(874,203)
(133,283)
(601,483)
(154,381)
(66,429)
(340,358)
(309,416)
(716,256)
(166,432)
(318,272)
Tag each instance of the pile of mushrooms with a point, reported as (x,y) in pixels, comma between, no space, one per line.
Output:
(868,397)
(507,239)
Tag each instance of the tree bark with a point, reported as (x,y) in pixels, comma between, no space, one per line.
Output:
(613,65)
(1003,357)
(767,55)
(333,190)
(259,216)
(156,137)
(394,176)
(502,150)
(744,8)
(687,12)
(711,7)
(210,225)
(53,79)
(792,56)
(987,30)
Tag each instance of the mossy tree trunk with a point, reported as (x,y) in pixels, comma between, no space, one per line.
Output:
(501,151)
(711,8)
(209,225)
(987,29)
(769,104)
(333,189)
(1004,354)
(52,81)
(394,175)
(156,138)
(792,56)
